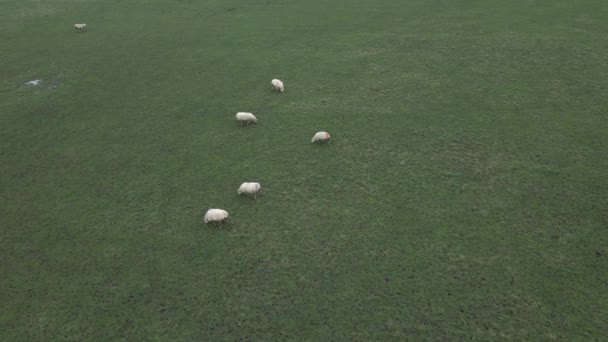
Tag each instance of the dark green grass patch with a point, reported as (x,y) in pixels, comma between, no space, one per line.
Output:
(463,195)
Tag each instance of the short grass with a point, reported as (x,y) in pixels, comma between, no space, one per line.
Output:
(464,195)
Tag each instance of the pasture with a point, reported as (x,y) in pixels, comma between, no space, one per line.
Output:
(464,193)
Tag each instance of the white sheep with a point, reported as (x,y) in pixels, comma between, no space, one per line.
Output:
(247,118)
(216,216)
(321,137)
(80,26)
(250,189)
(277,85)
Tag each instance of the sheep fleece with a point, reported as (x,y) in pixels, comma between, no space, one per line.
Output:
(215,215)
(321,136)
(249,188)
(278,85)
(246,117)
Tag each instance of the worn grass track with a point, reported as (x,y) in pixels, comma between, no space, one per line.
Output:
(464,193)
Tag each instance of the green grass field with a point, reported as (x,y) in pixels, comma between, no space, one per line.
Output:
(464,194)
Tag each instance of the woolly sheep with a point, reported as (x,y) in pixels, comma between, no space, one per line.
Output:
(216,216)
(244,117)
(80,26)
(277,85)
(250,189)
(322,137)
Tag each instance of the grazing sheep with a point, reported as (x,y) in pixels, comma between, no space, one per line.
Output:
(321,137)
(80,26)
(250,189)
(277,85)
(216,216)
(247,118)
